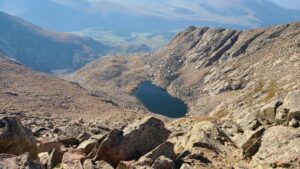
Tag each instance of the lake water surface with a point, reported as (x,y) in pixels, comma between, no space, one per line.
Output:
(159,101)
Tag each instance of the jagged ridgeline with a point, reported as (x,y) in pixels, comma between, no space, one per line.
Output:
(242,90)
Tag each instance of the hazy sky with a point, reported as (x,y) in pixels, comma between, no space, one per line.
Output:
(292,4)
(243,13)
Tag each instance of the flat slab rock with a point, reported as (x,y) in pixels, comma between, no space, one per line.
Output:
(133,142)
(280,147)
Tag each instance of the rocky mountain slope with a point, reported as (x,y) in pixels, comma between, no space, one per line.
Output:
(33,95)
(203,66)
(242,89)
(246,83)
(45,50)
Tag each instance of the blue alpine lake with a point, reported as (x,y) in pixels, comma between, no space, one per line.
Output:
(159,101)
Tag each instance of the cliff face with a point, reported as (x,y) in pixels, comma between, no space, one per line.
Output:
(206,67)
(45,50)
(219,63)
(241,87)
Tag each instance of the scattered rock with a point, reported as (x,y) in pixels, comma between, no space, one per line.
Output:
(103,165)
(47,145)
(55,158)
(84,136)
(87,145)
(68,140)
(165,149)
(8,161)
(163,162)
(133,142)
(280,147)
(44,159)
(186,166)
(72,160)
(281,116)
(251,146)
(291,105)
(268,112)
(87,164)
(18,162)
(294,123)
(204,135)
(15,139)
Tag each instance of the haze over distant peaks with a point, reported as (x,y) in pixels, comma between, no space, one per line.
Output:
(149,15)
(45,50)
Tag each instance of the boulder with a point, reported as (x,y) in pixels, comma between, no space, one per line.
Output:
(252,143)
(268,112)
(280,147)
(281,116)
(84,136)
(205,135)
(165,149)
(196,157)
(44,159)
(294,123)
(163,162)
(68,140)
(47,145)
(55,158)
(8,161)
(291,105)
(15,139)
(186,166)
(72,160)
(87,164)
(103,165)
(72,134)
(87,145)
(204,145)
(133,142)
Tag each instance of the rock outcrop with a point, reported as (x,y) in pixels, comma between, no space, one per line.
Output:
(241,88)
(291,105)
(15,138)
(131,143)
(8,161)
(280,147)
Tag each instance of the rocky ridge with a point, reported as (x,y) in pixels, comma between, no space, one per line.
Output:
(242,89)
(243,80)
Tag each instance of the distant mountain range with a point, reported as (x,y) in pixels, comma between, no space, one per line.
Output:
(115,26)
(149,15)
(124,40)
(45,50)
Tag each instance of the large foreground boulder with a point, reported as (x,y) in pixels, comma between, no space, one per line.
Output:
(8,161)
(131,143)
(291,105)
(15,139)
(280,147)
(205,145)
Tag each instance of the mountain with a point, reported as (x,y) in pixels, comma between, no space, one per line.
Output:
(45,50)
(242,89)
(191,65)
(39,96)
(120,24)
(122,39)
(150,16)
